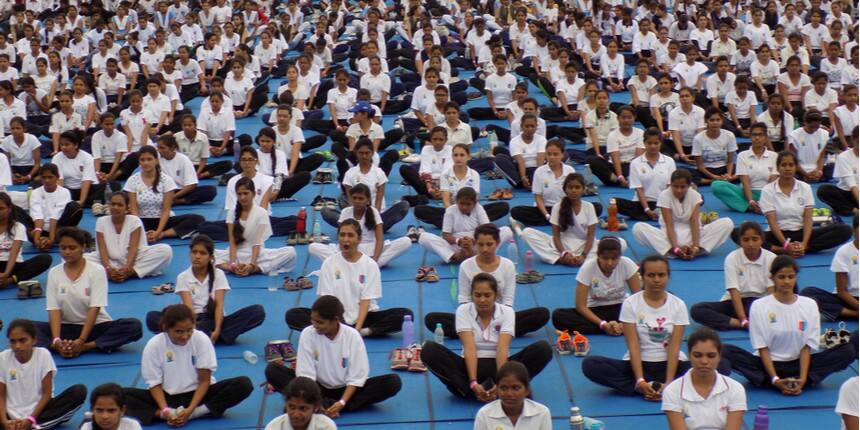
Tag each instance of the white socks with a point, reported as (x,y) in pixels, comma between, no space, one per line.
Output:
(198,412)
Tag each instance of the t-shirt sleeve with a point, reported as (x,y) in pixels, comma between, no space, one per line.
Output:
(150,367)
(737,397)
(373,286)
(359,368)
(98,288)
(679,313)
(758,327)
(306,362)
(205,353)
(628,313)
(672,398)
(847,404)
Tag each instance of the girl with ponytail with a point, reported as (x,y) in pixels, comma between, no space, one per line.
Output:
(203,288)
(273,162)
(248,227)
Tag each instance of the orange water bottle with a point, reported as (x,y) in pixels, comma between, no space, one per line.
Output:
(301,221)
(612,218)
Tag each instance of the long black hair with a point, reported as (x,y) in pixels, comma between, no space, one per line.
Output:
(565,213)
(10,217)
(153,152)
(238,230)
(207,243)
(369,217)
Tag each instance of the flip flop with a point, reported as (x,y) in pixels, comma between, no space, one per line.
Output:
(290,284)
(164,288)
(507,194)
(304,283)
(496,195)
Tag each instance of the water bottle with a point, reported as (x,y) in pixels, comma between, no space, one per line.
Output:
(301,222)
(29,193)
(513,252)
(576,421)
(586,173)
(439,334)
(236,149)
(612,216)
(317,232)
(108,192)
(592,424)
(494,140)
(273,280)
(761,418)
(529,261)
(408,331)
(250,357)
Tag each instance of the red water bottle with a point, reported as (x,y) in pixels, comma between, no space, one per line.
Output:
(302,221)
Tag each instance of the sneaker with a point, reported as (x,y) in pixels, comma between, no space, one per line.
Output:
(415,363)
(828,340)
(318,178)
(580,345)
(412,159)
(563,343)
(97,209)
(318,203)
(591,189)
(399,359)
(412,233)
(276,185)
(34,286)
(279,350)
(516,226)
(420,230)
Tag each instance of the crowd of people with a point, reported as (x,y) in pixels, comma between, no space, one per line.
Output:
(120,108)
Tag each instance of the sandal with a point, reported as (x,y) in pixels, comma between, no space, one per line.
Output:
(431,275)
(292,239)
(507,194)
(23,291)
(534,276)
(290,284)
(422,274)
(164,288)
(523,278)
(497,195)
(35,288)
(302,238)
(304,283)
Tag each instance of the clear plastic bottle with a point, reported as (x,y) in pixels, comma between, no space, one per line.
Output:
(513,252)
(408,331)
(236,149)
(439,334)
(317,231)
(529,261)
(494,140)
(586,173)
(576,421)
(250,357)
(592,424)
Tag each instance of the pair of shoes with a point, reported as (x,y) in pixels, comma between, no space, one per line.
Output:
(419,199)
(516,226)
(414,233)
(622,223)
(427,274)
(501,194)
(279,350)
(580,345)
(296,238)
(708,217)
(408,359)
(492,175)
(529,277)
(164,288)
(591,189)
(405,152)
(474,95)
(323,176)
(833,338)
(563,343)
(29,289)
(319,203)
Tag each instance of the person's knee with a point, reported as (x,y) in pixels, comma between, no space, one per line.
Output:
(78,393)
(242,386)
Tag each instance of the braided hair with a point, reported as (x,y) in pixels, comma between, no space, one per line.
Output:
(269,132)
(369,217)
(565,213)
(207,243)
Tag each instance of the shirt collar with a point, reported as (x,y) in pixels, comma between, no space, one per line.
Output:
(495,409)
(758,261)
(689,393)
(497,312)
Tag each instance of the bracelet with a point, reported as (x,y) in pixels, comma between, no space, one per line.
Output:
(32,420)
(165,411)
(56,340)
(472,384)
(639,381)
(620,177)
(547,216)
(745,322)
(751,201)
(37,230)
(602,324)
(676,250)
(774,380)
(785,244)
(342,402)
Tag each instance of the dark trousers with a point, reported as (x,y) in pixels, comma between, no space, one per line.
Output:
(241,321)
(830,306)
(386,161)
(200,194)
(531,215)
(96,193)
(29,269)
(509,167)
(221,396)
(293,184)
(604,170)
(570,320)
(70,217)
(618,374)
(842,202)
(63,407)
(380,323)
(717,315)
(376,389)
(634,209)
(390,216)
(821,364)
(217,230)
(126,167)
(526,321)
(218,168)
(825,237)
(450,367)
(108,336)
(182,224)
(410,175)
(434,214)
(555,114)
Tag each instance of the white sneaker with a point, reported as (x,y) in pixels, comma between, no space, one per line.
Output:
(412,159)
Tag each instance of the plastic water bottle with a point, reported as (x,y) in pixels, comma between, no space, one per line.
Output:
(586,173)
(236,149)
(317,232)
(301,222)
(513,252)
(612,217)
(439,334)
(592,424)
(408,331)
(494,140)
(273,280)
(250,357)
(529,261)
(29,193)
(761,421)
(576,421)
(108,192)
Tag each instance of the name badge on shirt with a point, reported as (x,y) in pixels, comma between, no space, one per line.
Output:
(771,316)
(13,375)
(361,279)
(169,356)
(63,289)
(177,172)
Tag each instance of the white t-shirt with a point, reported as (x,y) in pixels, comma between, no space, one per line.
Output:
(681,210)
(449,182)
(342,101)
(333,363)
(534,416)
(285,142)
(125,423)
(625,145)
(715,152)
(118,243)
(654,326)
(75,298)
(21,155)
(486,338)
(73,171)
(216,124)
(847,118)
(775,128)
(652,179)
(788,209)
(529,151)
(687,124)
(180,169)
(750,278)
(435,162)
(265,165)
(726,396)
(606,290)
(351,283)
(742,106)
(846,170)
(577,229)
(106,147)
(174,367)
(784,329)
(548,186)
(23,381)
(502,88)
(238,89)
(845,261)
(720,88)
(373,179)
(758,169)
(505,275)
(822,102)
(262,183)
(459,224)
(47,206)
(368,236)
(318,422)
(149,202)
(847,404)
(199,290)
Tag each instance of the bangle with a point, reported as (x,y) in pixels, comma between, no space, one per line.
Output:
(785,244)
(547,216)
(639,381)
(165,411)
(751,201)
(472,384)
(37,230)
(342,402)
(676,250)
(32,420)
(745,322)
(774,380)
(56,340)
(620,177)
(602,324)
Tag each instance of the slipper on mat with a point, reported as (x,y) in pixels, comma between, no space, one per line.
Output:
(164,288)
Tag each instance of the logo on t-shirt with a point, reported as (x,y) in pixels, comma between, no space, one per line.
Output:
(169,356)
(344,362)
(854,260)
(13,375)
(771,316)
(360,279)
(801,325)
(337,275)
